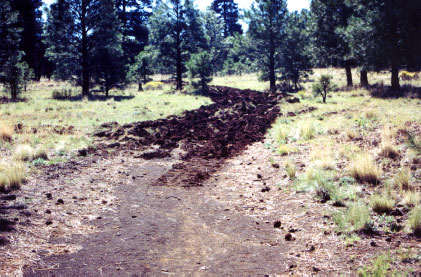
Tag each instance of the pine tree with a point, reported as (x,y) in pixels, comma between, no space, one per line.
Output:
(199,66)
(142,67)
(30,21)
(133,15)
(214,34)
(228,12)
(328,18)
(109,66)
(267,30)
(295,57)
(177,33)
(12,69)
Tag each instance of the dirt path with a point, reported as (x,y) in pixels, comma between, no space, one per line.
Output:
(162,229)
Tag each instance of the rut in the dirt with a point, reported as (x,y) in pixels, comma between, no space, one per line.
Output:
(207,135)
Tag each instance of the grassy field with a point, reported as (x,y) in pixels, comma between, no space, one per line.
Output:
(43,130)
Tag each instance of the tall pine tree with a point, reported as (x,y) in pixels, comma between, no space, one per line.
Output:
(177,32)
(267,22)
(12,69)
(228,12)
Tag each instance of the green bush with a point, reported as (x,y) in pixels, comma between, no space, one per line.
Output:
(323,86)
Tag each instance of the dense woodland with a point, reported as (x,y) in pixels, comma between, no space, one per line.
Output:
(109,44)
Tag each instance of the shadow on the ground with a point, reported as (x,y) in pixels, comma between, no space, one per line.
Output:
(406,91)
(94,97)
(5,100)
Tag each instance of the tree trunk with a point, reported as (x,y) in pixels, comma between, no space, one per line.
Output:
(364,78)
(272,76)
(348,70)
(179,80)
(395,77)
(324,98)
(140,88)
(85,62)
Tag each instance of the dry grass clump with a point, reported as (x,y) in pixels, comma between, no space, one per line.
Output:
(352,135)
(388,149)
(40,153)
(24,152)
(308,130)
(12,176)
(290,169)
(356,218)
(364,170)
(285,149)
(6,132)
(415,221)
(323,158)
(381,204)
(402,180)
(412,199)
(370,114)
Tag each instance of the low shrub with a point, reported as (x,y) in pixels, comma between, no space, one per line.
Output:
(409,76)
(153,86)
(364,170)
(381,204)
(62,94)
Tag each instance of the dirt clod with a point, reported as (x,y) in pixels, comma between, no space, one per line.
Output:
(277,224)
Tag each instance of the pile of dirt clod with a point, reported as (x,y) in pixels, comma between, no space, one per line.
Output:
(207,135)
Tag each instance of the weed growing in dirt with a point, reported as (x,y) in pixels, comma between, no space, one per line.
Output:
(308,130)
(415,221)
(388,150)
(285,149)
(364,170)
(356,218)
(290,169)
(381,203)
(379,267)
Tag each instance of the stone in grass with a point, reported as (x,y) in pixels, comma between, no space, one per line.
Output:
(277,224)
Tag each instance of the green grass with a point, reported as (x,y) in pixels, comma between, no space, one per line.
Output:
(356,218)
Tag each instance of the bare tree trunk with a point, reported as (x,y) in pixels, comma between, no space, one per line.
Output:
(364,78)
(395,77)
(348,70)
(85,62)
(140,88)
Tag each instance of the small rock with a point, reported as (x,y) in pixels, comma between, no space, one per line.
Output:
(49,222)
(83,152)
(259,176)
(99,217)
(288,237)
(373,243)
(266,189)
(275,165)
(388,239)
(49,196)
(292,266)
(48,211)
(277,224)
(104,201)
(134,216)
(316,269)
(311,248)
(60,201)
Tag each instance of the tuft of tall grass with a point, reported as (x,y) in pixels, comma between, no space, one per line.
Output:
(364,170)
(290,169)
(12,176)
(412,199)
(308,130)
(415,221)
(23,152)
(402,180)
(6,132)
(381,204)
(356,218)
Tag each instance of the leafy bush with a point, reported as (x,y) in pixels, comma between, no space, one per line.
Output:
(154,86)
(323,86)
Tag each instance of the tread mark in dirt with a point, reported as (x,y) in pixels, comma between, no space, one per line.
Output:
(207,135)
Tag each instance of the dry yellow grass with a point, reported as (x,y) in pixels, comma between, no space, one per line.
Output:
(352,135)
(402,180)
(23,152)
(40,153)
(12,176)
(6,131)
(412,199)
(290,169)
(364,170)
(389,150)
(381,204)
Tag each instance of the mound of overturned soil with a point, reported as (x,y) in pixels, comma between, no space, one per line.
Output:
(207,135)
